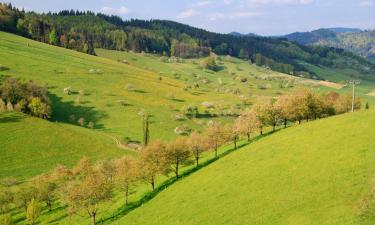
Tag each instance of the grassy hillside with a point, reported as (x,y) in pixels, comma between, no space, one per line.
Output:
(316,173)
(157,87)
(106,101)
(30,146)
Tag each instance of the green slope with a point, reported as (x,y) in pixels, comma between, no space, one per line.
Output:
(30,146)
(317,173)
(105,85)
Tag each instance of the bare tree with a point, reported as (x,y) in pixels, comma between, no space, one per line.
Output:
(126,175)
(178,154)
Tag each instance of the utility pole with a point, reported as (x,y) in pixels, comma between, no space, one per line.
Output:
(354,83)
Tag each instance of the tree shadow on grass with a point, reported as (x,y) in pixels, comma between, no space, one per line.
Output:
(124,210)
(10,118)
(69,112)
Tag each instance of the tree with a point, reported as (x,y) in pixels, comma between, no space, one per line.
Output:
(330,104)
(6,199)
(178,154)
(2,106)
(285,104)
(39,109)
(6,219)
(243,54)
(261,112)
(46,189)
(33,212)
(366,107)
(24,195)
(107,168)
(145,129)
(273,114)
(83,168)
(210,64)
(314,104)
(53,38)
(247,123)
(215,136)
(231,132)
(197,144)
(88,193)
(153,162)
(299,110)
(126,175)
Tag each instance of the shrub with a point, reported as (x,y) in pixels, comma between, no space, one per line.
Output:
(190,111)
(39,109)
(9,107)
(68,90)
(81,121)
(2,106)
(90,125)
(6,219)
(8,181)
(170,96)
(72,118)
(130,87)
(14,91)
(182,130)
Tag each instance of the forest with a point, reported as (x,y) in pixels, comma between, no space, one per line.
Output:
(85,31)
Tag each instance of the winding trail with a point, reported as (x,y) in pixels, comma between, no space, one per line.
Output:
(119,144)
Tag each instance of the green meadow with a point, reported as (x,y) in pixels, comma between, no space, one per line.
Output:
(31,146)
(317,173)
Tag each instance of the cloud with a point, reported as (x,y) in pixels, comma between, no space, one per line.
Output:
(187,14)
(232,15)
(228,2)
(202,4)
(115,11)
(281,2)
(367,3)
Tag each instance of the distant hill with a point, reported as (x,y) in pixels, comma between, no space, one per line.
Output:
(87,31)
(355,40)
(345,30)
(237,34)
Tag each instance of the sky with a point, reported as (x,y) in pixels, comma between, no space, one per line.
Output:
(264,17)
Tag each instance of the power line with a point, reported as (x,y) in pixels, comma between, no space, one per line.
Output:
(354,83)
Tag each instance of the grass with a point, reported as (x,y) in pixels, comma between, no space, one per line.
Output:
(30,146)
(317,173)
(108,103)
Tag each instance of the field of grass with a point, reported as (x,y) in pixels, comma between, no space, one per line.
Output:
(30,146)
(107,100)
(316,173)
(114,109)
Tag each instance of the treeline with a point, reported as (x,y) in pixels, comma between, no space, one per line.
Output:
(87,186)
(85,31)
(26,97)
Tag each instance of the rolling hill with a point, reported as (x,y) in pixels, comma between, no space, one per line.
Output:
(31,146)
(316,173)
(356,41)
(117,86)
(112,95)
(87,31)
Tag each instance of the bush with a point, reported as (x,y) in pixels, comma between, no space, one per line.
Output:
(67,91)
(81,121)
(18,95)
(90,125)
(39,109)
(182,130)
(2,106)
(190,111)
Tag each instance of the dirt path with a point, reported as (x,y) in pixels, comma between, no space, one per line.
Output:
(120,145)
